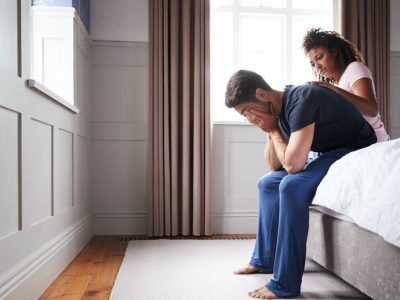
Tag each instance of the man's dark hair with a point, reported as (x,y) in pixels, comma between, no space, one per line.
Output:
(346,51)
(242,87)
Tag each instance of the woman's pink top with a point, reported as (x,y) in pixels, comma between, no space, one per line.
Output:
(355,71)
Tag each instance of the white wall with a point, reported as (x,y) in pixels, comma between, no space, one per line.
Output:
(45,212)
(238,164)
(119,20)
(394,94)
(234,187)
(119,121)
(394,25)
(8,35)
(118,188)
(395,69)
(53,34)
(119,125)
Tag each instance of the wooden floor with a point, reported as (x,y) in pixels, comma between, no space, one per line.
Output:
(92,273)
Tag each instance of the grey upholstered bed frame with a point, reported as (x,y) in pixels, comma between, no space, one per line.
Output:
(356,255)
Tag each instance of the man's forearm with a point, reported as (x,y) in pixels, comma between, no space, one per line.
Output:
(270,156)
(279,146)
(293,154)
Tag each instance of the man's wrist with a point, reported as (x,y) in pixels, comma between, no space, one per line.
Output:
(275,133)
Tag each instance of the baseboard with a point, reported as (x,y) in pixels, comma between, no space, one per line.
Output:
(237,222)
(29,278)
(395,133)
(120,223)
(135,223)
(394,53)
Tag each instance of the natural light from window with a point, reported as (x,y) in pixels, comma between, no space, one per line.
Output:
(263,36)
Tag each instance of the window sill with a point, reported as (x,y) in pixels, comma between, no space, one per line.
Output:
(41,88)
(236,123)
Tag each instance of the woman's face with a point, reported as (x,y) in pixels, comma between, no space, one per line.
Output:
(325,63)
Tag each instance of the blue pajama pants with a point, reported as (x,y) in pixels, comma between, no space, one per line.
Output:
(283,222)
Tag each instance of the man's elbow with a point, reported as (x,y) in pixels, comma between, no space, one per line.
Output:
(294,168)
(274,166)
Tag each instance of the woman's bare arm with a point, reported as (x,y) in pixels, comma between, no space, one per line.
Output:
(362,96)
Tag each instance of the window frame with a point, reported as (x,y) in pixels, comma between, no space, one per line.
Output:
(25,64)
(289,14)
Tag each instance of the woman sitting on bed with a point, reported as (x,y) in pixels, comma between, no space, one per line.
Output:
(338,65)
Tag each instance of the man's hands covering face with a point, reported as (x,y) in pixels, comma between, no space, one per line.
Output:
(262,120)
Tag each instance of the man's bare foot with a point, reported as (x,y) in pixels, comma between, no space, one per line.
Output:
(263,293)
(248,269)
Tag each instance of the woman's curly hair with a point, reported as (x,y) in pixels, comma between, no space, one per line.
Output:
(346,51)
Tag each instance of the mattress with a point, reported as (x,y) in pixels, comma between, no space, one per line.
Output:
(331,213)
(364,185)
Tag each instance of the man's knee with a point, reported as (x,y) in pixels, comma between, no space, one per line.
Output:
(295,191)
(268,181)
(289,186)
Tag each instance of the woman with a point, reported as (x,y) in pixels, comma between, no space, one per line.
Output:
(338,65)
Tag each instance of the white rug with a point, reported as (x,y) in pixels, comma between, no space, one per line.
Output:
(203,270)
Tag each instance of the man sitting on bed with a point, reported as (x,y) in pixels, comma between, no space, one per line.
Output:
(296,120)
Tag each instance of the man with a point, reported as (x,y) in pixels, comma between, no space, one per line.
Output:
(296,120)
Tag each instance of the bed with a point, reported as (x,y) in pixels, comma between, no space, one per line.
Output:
(355,220)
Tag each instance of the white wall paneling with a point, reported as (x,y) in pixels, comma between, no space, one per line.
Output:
(119,20)
(394,95)
(120,223)
(394,25)
(115,88)
(10,214)
(119,128)
(238,164)
(40,165)
(82,83)
(46,150)
(8,35)
(53,49)
(81,171)
(45,213)
(32,275)
(119,178)
(65,171)
(394,69)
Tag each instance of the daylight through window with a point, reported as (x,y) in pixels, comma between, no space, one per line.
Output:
(264,36)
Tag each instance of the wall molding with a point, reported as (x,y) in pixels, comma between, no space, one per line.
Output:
(99,43)
(50,94)
(120,223)
(119,131)
(135,223)
(234,222)
(131,223)
(235,214)
(394,105)
(25,270)
(124,215)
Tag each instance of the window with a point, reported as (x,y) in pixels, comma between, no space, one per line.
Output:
(53,50)
(263,36)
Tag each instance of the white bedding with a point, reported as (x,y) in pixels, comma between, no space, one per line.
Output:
(365,186)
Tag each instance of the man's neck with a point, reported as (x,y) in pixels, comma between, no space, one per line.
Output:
(276,100)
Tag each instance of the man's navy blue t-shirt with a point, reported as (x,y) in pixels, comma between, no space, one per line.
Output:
(338,124)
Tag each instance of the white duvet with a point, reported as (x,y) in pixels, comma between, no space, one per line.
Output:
(365,186)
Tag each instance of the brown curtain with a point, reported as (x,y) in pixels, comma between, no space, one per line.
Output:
(179,201)
(366,23)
